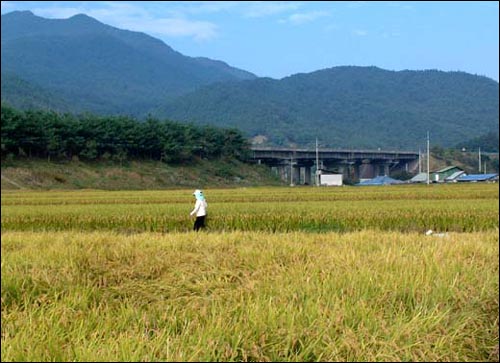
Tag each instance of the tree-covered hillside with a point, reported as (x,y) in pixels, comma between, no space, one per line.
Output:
(50,135)
(28,96)
(101,69)
(487,142)
(354,107)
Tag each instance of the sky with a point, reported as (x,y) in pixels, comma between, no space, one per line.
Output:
(279,38)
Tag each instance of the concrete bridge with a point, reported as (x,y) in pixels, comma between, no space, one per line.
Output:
(297,165)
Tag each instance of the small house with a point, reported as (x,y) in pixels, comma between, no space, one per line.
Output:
(439,176)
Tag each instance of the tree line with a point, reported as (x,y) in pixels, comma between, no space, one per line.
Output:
(52,135)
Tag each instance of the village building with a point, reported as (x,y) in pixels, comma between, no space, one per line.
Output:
(439,176)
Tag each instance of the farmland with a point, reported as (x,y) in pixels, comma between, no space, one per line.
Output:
(280,274)
(459,208)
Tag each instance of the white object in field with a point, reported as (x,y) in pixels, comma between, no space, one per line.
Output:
(430,232)
(331,179)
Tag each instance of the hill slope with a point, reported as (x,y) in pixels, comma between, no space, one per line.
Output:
(101,68)
(134,175)
(362,107)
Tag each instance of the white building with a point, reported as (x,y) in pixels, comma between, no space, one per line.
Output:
(330,179)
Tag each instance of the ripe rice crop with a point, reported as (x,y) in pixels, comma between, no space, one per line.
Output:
(280,274)
(249,296)
(459,208)
(307,194)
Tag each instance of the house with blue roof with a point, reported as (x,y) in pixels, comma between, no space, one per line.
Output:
(492,178)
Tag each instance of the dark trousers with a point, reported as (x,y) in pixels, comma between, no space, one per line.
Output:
(199,223)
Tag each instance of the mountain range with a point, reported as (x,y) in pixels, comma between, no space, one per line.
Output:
(81,65)
(349,107)
(99,68)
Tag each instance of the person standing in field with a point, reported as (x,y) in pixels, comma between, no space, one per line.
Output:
(200,209)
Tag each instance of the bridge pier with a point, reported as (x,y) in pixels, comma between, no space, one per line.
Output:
(366,171)
(354,171)
(281,169)
(295,175)
(294,166)
(307,175)
(382,169)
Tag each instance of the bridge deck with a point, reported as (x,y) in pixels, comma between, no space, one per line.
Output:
(287,153)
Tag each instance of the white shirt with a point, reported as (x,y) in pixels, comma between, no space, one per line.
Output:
(200,208)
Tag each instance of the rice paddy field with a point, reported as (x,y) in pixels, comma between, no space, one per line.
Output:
(279,274)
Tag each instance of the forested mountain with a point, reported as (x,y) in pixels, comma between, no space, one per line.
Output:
(361,107)
(100,68)
(25,95)
(79,64)
(487,142)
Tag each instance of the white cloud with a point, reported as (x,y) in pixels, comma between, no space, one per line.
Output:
(137,18)
(391,34)
(301,18)
(59,12)
(332,27)
(356,4)
(176,27)
(207,7)
(7,6)
(400,5)
(257,9)
(360,32)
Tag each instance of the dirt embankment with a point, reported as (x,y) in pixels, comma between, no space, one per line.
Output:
(134,175)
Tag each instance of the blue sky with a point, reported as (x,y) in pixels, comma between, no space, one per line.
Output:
(280,38)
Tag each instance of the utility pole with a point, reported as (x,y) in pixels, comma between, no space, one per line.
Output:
(479,160)
(428,159)
(317,164)
(419,161)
